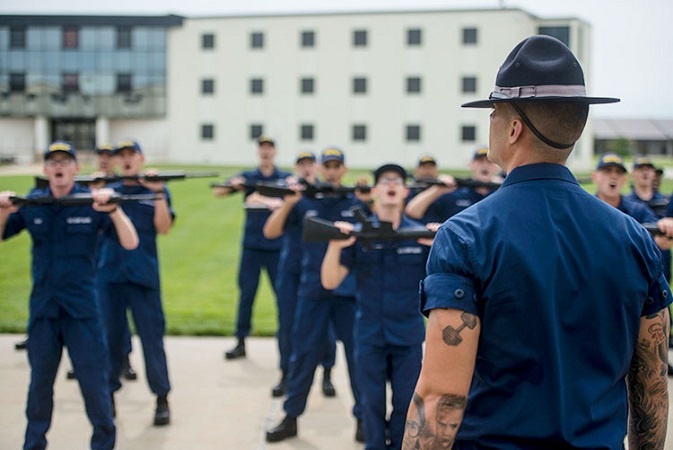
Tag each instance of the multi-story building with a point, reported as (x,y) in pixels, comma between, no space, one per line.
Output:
(384,86)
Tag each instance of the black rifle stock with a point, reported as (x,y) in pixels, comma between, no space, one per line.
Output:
(320,230)
(309,190)
(424,183)
(80,199)
(41,181)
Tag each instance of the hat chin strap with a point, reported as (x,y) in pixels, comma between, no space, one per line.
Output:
(537,132)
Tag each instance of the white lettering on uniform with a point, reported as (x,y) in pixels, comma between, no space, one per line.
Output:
(37,221)
(409,250)
(347,213)
(463,203)
(311,213)
(78,220)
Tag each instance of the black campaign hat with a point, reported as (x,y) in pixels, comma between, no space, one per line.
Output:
(539,68)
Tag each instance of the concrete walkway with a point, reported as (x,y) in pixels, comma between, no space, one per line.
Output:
(215,404)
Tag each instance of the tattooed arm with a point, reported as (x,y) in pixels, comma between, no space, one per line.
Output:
(439,401)
(647,384)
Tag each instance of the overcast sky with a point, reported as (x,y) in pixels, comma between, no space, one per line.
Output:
(632,54)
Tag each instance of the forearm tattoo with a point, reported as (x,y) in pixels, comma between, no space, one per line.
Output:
(648,388)
(451,336)
(421,433)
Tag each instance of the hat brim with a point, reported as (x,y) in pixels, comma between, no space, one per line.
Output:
(586,100)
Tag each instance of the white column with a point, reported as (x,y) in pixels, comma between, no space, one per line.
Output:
(41,136)
(103,131)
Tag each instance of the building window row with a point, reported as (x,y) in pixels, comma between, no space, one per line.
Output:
(70,37)
(412,132)
(360,85)
(359,38)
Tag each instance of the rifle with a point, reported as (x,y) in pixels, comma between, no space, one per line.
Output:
(80,199)
(321,190)
(320,230)
(424,183)
(658,206)
(41,181)
(653,229)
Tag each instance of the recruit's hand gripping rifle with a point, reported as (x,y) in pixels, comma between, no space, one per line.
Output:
(320,230)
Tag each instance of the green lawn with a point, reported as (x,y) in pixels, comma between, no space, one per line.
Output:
(198,259)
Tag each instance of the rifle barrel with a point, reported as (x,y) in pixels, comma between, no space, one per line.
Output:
(80,199)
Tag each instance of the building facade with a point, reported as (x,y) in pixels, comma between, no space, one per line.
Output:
(384,86)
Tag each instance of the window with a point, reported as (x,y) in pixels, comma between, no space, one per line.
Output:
(414,37)
(207,132)
(468,133)
(359,85)
(469,85)
(413,133)
(70,37)
(208,86)
(124,82)
(360,38)
(469,35)
(17,37)
(306,132)
(256,130)
(413,85)
(308,39)
(123,37)
(307,85)
(17,82)
(70,82)
(561,33)
(207,40)
(256,86)
(359,133)
(257,40)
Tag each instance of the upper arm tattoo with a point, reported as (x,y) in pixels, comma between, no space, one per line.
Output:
(648,386)
(421,433)
(451,336)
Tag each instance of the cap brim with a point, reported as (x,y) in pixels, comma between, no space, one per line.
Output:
(586,100)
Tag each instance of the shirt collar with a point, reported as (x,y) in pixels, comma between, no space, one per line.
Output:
(542,171)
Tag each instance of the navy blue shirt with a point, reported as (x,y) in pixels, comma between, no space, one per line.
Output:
(253,235)
(658,203)
(637,210)
(333,209)
(387,274)
(451,204)
(560,280)
(63,255)
(141,265)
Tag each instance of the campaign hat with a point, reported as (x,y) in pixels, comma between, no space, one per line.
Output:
(539,68)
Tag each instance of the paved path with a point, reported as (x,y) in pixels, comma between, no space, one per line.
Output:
(215,404)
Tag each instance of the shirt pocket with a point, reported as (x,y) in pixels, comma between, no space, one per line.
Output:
(80,238)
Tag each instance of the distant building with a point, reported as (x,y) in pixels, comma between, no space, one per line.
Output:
(640,136)
(384,86)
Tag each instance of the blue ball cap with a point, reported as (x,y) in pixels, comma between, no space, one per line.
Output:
(610,160)
(642,161)
(129,143)
(305,155)
(60,146)
(105,148)
(396,168)
(481,152)
(332,154)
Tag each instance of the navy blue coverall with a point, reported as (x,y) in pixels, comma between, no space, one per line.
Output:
(64,312)
(317,308)
(256,252)
(389,329)
(130,279)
